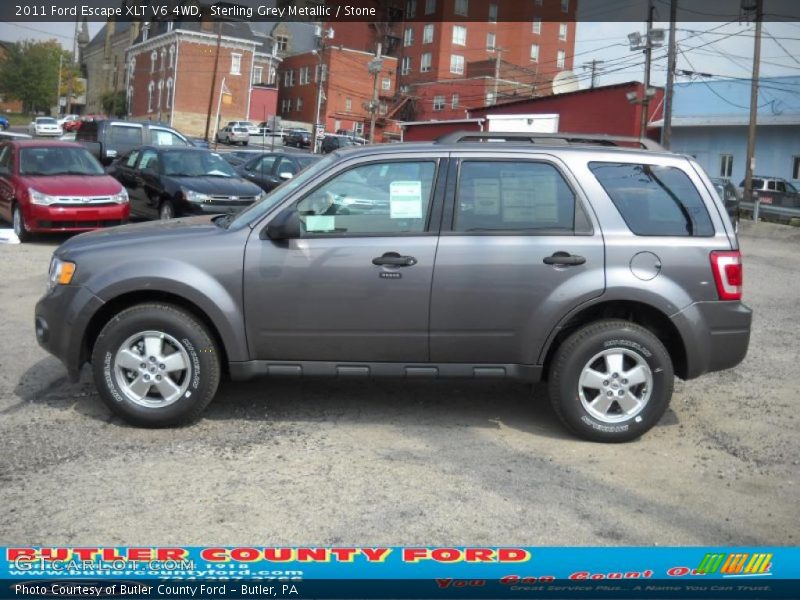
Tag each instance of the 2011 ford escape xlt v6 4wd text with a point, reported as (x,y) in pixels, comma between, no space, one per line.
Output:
(604,270)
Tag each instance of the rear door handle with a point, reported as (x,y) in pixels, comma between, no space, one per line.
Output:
(393,259)
(564,258)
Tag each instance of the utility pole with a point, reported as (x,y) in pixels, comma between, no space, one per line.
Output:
(751,133)
(374,68)
(320,77)
(58,89)
(214,81)
(498,55)
(593,66)
(648,55)
(666,130)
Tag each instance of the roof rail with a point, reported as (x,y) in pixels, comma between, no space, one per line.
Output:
(550,139)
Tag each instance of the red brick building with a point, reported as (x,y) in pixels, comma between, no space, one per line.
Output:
(347,87)
(171,74)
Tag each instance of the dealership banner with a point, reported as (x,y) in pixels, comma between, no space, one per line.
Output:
(399,572)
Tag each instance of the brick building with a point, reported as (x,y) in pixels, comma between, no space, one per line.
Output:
(347,87)
(104,63)
(170,74)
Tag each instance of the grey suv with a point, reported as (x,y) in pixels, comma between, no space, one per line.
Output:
(605,271)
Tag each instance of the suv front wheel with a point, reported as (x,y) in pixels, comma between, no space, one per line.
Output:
(156,365)
(611,381)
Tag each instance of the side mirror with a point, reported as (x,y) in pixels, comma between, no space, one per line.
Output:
(286,176)
(285,226)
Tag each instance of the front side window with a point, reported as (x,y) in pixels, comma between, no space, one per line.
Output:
(195,163)
(149,161)
(125,135)
(131,161)
(162,137)
(513,196)
(654,200)
(376,198)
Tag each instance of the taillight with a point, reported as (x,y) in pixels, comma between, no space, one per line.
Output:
(728,275)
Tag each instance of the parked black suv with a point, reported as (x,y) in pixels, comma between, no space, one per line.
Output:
(108,139)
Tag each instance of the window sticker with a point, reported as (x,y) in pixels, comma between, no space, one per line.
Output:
(487,197)
(320,223)
(405,200)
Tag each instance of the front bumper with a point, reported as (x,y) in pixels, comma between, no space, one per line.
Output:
(61,318)
(716,335)
(79,218)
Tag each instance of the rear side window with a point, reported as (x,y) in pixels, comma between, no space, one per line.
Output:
(654,200)
(513,196)
(123,136)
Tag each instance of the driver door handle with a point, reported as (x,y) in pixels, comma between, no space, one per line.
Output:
(564,259)
(393,259)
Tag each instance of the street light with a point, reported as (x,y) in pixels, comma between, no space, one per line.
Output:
(653,38)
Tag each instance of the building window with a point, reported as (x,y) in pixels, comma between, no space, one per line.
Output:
(537,25)
(561,58)
(562,32)
(171,56)
(150,89)
(273,74)
(535,52)
(153,59)
(411,9)
(258,75)
(288,78)
(796,167)
(462,7)
(386,84)
(299,104)
(403,89)
(405,66)
(170,99)
(425,62)
(438,103)
(491,40)
(430,7)
(725,165)
(493,13)
(427,34)
(305,75)
(160,93)
(408,36)
(454,101)
(348,105)
(459,35)
(539,2)
(163,56)
(489,98)
(564,5)
(236,64)
(282,43)
(456,64)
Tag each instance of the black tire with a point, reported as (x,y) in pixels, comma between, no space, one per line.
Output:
(187,334)
(18,223)
(573,402)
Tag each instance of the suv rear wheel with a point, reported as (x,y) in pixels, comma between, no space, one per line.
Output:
(611,381)
(156,365)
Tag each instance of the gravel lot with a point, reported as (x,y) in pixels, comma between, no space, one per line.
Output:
(353,463)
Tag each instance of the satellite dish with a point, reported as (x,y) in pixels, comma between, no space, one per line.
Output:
(565,82)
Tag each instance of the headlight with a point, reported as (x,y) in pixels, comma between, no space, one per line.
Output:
(193,196)
(61,272)
(40,198)
(121,198)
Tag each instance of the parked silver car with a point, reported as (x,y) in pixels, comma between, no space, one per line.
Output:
(602,270)
(234,134)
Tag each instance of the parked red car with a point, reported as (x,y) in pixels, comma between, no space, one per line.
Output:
(76,124)
(57,186)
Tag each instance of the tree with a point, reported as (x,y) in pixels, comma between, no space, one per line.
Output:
(114,103)
(30,74)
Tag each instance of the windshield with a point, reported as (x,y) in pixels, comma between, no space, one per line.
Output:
(58,160)
(46,121)
(195,163)
(257,210)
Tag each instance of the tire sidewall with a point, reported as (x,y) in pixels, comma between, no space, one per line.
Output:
(650,350)
(195,342)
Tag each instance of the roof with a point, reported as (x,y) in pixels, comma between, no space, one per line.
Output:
(443,122)
(594,90)
(99,39)
(723,102)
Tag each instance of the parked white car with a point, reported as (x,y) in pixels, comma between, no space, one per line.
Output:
(251,128)
(231,134)
(45,126)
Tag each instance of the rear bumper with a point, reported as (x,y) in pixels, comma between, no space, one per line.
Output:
(61,218)
(61,318)
(716,335)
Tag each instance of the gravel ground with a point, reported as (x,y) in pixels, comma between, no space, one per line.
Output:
(354,463)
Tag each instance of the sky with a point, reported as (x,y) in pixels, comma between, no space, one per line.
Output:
(719,49)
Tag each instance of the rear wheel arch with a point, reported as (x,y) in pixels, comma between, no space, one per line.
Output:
(644,315)
(127,300)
